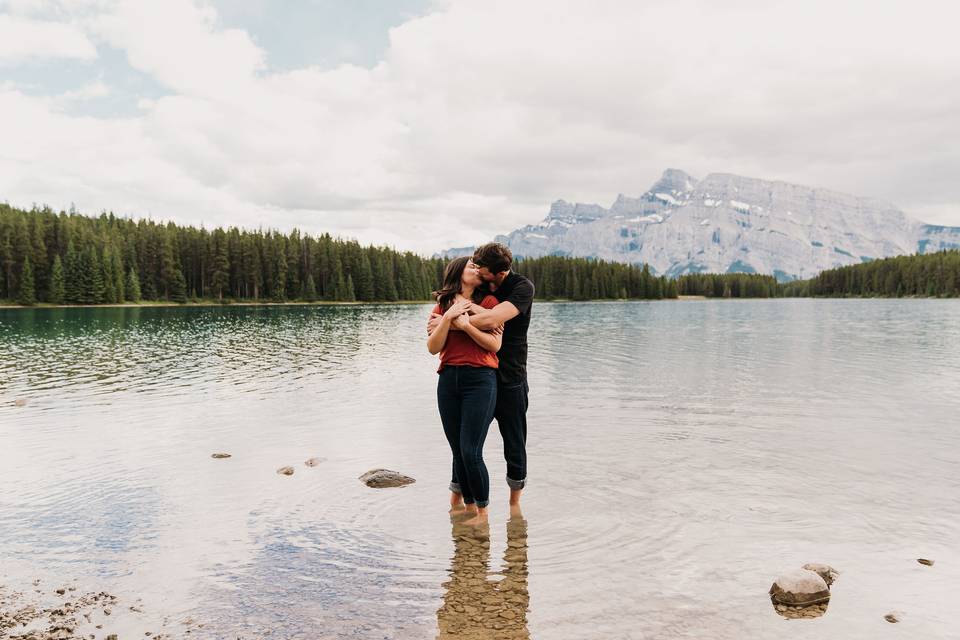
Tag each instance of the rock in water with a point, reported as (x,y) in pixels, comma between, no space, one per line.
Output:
(800,588)
(312,462)
(220,455)
(929,563)
(825,571)
(383,478)
(892,617)
(285,471)
(19,402)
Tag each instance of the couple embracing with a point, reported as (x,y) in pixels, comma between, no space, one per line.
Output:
(479,328)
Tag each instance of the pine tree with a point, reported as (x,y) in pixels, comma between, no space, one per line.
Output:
(364,281)
(349,294)
(220,277)
(56,292)
(27,295)
(106,269)
(73,287)
(132,286)
(178,287)
(116,266)
(310,289)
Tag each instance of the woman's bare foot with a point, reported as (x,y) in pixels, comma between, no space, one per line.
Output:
(515,512)
(456,502)
(479,519)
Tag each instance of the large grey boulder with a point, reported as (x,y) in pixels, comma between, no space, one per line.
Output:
(384,478)
(801,587)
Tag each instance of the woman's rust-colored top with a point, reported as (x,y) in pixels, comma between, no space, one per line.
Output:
(460,349)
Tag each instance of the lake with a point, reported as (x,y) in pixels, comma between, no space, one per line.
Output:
(682,455)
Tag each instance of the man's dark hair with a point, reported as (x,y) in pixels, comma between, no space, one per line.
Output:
(494,256)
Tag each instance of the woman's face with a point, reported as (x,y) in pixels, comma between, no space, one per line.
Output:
(471,275)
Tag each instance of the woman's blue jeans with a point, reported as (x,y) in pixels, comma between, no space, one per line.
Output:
(467,397)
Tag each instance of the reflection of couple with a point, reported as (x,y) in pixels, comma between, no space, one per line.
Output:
(476,607)
(479,328)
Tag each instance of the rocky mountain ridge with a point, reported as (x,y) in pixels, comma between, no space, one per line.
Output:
(726,224)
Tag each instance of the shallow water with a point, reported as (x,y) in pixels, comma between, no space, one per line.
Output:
(682,454)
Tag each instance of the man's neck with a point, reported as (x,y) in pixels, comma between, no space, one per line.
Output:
(499,279)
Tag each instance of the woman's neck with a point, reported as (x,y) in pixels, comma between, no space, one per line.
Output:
(466,292)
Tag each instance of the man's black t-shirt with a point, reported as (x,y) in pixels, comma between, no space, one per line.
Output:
(517,290)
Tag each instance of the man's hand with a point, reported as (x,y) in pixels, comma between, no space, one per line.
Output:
(433,322)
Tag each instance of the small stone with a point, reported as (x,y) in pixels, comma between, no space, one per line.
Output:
(384,478)
(891,618)
(107,612)
(112,636)
(218,456)
(285,471)
(929,563)
(825,571)
(19,402)
(313,462)
(60,592)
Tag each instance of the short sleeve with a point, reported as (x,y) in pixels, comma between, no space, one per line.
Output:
(489,302)
(436,309)
(522,296)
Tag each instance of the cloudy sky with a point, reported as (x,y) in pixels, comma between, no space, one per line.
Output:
(432,123)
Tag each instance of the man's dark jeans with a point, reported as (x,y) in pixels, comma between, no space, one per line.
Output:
(511,415)
(467,397)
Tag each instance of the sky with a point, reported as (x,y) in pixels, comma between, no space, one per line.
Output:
(427,124)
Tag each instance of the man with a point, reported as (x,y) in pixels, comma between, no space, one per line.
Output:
(515,295)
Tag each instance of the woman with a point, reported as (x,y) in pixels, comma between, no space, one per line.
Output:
(467,388)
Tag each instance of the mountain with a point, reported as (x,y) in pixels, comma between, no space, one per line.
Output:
(727,224)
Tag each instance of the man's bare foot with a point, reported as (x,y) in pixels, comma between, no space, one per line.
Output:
(515,496)
(479,519)
(515,513)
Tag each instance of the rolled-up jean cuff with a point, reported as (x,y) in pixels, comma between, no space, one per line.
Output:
(516,485)
(482,504)
(455,488)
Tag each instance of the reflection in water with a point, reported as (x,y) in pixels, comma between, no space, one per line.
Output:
(476,606)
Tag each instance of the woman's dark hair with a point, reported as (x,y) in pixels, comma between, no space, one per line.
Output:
(451,285)
(494,256)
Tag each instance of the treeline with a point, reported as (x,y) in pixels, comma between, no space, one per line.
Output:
(67,258)
(928,275)
(585,279)
(728,285)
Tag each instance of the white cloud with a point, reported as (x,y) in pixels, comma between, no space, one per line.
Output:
(23,39)
(481,113)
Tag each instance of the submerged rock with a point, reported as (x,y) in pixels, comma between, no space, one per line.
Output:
(19,402)
(312,462)
(384,478)
(825,571)
(220,455)
(893,617)
(929,563)
(285,471)
(801,587)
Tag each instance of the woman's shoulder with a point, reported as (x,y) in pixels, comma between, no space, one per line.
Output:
(489,301)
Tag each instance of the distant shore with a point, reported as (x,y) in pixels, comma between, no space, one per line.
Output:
(298,303)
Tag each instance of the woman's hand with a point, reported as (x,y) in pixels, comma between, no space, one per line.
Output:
(458,308)
(461,322)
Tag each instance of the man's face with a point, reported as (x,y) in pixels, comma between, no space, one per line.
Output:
(485,274)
